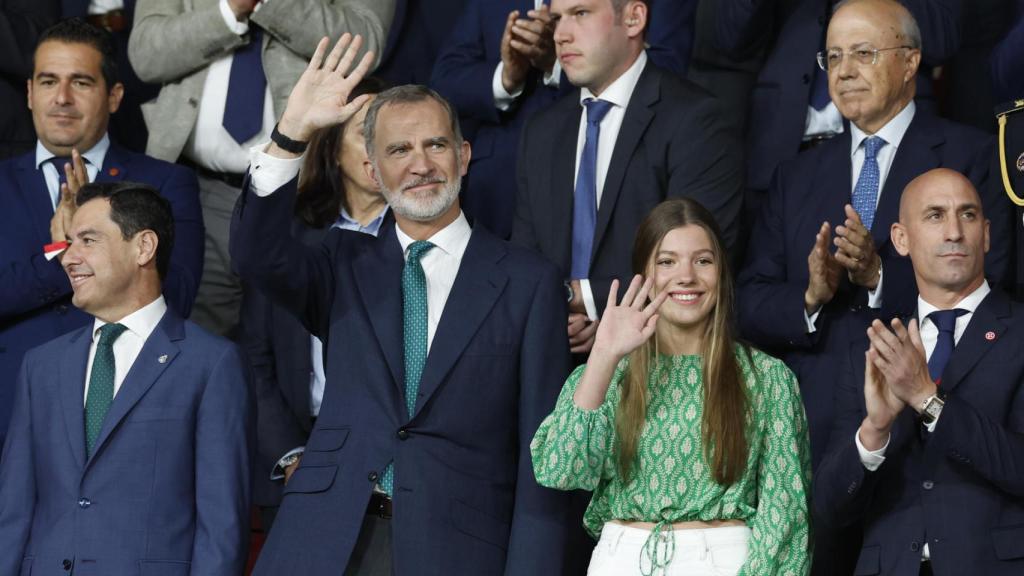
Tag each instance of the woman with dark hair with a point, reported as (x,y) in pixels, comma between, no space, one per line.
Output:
(694,445)
(287,361)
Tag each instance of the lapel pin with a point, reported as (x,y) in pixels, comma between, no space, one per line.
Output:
(163,359)
(113,171)
(990,336)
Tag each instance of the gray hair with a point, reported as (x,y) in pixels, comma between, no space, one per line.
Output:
(406,94)
(909,29)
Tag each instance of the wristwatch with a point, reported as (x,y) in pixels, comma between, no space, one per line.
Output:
(932,407)
(289,460)
(569,293)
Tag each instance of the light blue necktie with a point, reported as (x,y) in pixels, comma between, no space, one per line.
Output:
(414,320)
(945,321)
(865,193)
(101,384)
(584,208)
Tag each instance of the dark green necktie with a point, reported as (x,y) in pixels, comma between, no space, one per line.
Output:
(414,323)
(101,384)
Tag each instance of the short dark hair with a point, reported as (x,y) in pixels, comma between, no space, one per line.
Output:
(78,31)
(135,207)
(407,94)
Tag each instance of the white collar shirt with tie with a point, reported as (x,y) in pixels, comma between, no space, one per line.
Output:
(140,324)
(93,158)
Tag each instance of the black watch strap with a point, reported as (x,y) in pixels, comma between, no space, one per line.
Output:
(286,143)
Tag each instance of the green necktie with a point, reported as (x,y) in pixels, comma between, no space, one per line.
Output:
(414,320)
(101,384)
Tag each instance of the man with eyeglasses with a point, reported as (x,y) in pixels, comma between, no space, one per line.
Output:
(820,265)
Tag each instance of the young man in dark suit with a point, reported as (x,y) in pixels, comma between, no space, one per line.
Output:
(450,352)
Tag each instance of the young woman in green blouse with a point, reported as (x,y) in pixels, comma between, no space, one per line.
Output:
(694,445)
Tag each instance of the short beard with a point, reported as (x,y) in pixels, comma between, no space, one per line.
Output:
(423,209)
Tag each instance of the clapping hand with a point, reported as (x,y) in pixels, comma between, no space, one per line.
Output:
(823,272)
(321,96)
(856,251)
(77,176)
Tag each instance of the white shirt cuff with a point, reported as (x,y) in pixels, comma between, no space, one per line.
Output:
(268,173)
(875,296)
(810,319)
(553,79)
(871,459)
(233,24)
(502,99)
(588,299)
(931,426)
(278,472)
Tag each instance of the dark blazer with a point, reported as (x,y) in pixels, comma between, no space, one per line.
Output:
(465,500)
(418,31)
(35,295)
(792,32)
(21,22)
(166,490)
(279,351)
(960,488)
(671,144)
(813,188)
(464,74)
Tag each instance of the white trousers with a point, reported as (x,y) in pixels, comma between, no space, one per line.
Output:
(712,552)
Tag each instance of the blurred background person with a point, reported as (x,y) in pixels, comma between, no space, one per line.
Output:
(21,22)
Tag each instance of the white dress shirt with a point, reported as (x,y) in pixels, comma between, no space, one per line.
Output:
(140,324)
(892,133)
(618,93)
(872,459)
(209,145)
(93,158)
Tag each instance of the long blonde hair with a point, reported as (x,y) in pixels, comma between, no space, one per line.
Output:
(723,427)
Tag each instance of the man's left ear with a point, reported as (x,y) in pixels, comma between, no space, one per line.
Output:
(114,98)
(466,155)
(146,243)
(987,222)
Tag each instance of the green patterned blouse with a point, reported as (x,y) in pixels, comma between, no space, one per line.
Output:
(671,479)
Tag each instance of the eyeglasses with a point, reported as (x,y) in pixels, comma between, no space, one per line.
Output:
(829,59)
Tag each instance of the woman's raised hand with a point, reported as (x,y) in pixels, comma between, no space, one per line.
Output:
(628,324)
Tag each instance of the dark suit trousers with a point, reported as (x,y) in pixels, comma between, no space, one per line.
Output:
(372,554)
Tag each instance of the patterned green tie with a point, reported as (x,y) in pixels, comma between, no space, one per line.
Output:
(414,318)
(101,384)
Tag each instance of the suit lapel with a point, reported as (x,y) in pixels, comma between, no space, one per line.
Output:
(156,355)
(34,193)
(638,116)
(378,276)
(563,184)
(986,327)
(72,391)
(478,285)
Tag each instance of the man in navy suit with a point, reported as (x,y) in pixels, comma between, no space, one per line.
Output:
(928,444)
(128,450)
(499,67)
(72,92)
(450,351)
(591,166)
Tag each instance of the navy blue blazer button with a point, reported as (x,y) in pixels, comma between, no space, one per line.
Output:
(66,564)
(927,484)
(372,477)
(84,503)
(403,434)
(914,546)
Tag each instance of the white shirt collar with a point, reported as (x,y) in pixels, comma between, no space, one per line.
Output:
(94,155)
(969,302)
(621,90)
(142,322)
(892,132)
(452,239)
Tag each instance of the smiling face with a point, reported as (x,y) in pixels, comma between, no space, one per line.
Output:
(869,95)
(686,266)
(70,101)
(595,45)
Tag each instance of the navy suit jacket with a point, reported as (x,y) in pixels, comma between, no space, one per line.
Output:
(959,488)
(279,350)
(35,294)
(418,31)
(464,73)
(671,144)
(465,499)
(793,31)
(166,490)
(813,188)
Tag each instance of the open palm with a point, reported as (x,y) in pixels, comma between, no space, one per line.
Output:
(628,324)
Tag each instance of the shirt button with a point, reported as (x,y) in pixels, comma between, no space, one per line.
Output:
(84,503)
(403,434)
(66,564)
(927,484)
(372,476)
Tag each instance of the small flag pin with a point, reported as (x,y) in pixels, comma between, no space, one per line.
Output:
(113,171)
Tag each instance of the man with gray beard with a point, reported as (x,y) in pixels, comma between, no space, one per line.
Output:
(453,353)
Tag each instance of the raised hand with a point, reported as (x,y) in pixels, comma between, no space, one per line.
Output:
(534,38)
(823,272)
(76,176)
(856,251)
(516,65)
(628,324)
(321,96)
